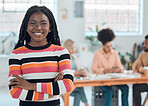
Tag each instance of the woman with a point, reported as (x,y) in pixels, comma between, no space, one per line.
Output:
(106,60)
(78,93)
(37,59)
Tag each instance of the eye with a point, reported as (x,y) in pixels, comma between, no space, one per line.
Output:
(32,23)
(43,23)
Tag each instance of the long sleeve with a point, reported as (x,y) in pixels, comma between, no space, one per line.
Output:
(137,64)
(61,86)
(96,65)
(19,93)
(118,61)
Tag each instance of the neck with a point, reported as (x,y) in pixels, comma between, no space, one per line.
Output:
(37,44)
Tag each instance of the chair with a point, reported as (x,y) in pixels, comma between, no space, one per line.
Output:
(98,96)
(145,100)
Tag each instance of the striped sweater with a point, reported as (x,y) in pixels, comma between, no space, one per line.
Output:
(41,65)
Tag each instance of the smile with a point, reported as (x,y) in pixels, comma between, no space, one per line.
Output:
(38,34)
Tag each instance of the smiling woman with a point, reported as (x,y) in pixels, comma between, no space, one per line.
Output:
(38,28)
(36,61)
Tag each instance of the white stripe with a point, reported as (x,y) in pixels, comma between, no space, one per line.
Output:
(62,88)
(46,96)
(14,65)
(40,62)
(51,89)
(64,51)
(68,71)
(51,99)
(13,56)
(44,75)
(42,54)
(23,94)
(38,87)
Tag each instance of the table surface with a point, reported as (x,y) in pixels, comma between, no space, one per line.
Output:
(104,82)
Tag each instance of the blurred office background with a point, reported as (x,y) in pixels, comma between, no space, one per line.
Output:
(78,20)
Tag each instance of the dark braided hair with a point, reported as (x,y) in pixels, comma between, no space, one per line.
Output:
(146,37)
(52,36)
(105,35)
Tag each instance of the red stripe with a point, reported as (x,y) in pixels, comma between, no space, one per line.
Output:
(39,70)
(44,50)
(67,86)
(44,87)
(41,96)
(17,93)
(63,67)
(14,72)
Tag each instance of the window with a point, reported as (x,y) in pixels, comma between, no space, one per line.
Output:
(13,11)
(123,16)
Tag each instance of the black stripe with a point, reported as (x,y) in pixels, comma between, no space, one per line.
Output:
(39,59)
(38,48)
(37,103)
(68,76)
(40,80)
(29,95)
(14,61)
(55,88)
(65,56)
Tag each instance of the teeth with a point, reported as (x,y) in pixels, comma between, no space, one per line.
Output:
(38,33)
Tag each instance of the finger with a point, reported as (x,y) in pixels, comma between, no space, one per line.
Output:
(14,83)
(55,79)
(14,79)
(16,86)
(17,76)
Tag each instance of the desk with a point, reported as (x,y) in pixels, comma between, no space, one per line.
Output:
(106,82)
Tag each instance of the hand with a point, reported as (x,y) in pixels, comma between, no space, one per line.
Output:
(82,73)
(59,76)
(108,70)
(136,67)
(19,82)
(116,70)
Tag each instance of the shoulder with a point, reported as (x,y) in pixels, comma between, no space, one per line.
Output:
(18,50)
(114,51)
(99,51)
(144,54)
(59,49)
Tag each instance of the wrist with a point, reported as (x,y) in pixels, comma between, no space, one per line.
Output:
(33,86)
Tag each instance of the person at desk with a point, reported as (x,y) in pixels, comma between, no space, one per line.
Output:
(78,93)
(106,60)
(138,65)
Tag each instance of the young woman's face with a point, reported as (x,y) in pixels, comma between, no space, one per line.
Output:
(107,47)
(72,50)
(38,28)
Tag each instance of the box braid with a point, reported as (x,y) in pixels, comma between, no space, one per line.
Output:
(52,36)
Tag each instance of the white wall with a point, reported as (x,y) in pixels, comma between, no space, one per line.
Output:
(70,27)
(74,28)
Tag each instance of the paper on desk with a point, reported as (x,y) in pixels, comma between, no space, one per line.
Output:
(114,75)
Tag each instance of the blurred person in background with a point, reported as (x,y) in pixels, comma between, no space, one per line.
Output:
(78,93)
(139,66)
(106,60)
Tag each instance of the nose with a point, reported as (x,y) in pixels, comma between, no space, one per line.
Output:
(38,27)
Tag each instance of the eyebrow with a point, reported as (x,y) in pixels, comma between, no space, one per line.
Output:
(41,20)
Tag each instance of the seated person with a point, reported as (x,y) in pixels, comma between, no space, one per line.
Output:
(106,60)
(138,65)
(78,93)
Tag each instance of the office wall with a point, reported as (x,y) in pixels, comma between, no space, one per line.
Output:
(74,28)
